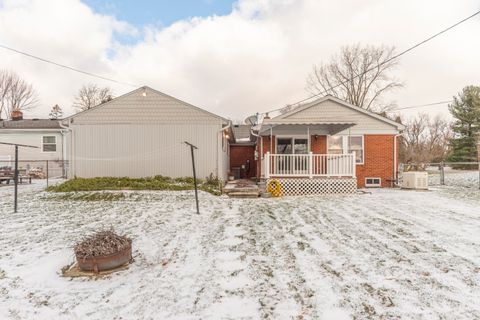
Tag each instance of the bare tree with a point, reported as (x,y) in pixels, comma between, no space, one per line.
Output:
(426,139)
(359,75)
(92,95)
(15,94)
(56,112)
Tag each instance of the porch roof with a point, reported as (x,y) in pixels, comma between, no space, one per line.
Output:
(293,126)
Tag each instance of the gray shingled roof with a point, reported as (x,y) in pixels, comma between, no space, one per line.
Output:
(30,124)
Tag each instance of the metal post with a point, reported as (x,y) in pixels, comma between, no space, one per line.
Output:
(47,173)
(310,164)
(15,175)
(192,147)
(15,178)
(442,173)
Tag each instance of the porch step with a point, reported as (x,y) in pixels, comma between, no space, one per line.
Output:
(246,189)
(244,194)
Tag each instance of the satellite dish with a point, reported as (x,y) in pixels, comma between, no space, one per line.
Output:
(252,120)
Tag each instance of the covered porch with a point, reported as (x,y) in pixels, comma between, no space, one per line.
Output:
(293,148)
(309,165)
(298,155)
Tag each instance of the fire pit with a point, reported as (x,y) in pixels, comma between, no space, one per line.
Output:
(102,251)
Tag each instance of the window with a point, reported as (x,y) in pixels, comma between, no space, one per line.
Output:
(49,144)
(300,146)
(373,182)
(292,146)
(356,146)
(346,144)
(284,145)
(335,144)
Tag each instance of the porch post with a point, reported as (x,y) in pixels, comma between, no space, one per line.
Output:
(267,165)
(354,164)
(310,164)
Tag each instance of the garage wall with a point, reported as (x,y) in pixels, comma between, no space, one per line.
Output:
(139,135)
(143,150)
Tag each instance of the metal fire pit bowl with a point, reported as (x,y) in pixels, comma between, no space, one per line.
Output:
(105,262)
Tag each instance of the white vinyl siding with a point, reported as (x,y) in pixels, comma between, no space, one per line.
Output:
(331,111)
(32,138)
(136,136)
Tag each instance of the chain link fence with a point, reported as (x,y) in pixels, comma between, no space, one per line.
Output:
(461,174)
(29,170)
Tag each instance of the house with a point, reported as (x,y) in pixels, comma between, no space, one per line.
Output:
(45,134)
(328,146)
(142,134)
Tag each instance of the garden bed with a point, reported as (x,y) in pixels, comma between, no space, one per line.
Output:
(210,185)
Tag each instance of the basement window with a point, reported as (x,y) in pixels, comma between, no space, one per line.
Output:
(49,144)
(373,182)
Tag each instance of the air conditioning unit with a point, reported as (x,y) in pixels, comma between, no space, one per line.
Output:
(415,180)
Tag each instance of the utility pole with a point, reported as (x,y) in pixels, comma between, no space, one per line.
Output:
(192,148)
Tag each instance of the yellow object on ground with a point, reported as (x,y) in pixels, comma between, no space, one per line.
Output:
(274,187)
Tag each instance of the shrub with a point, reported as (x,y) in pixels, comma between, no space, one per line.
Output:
(151,183)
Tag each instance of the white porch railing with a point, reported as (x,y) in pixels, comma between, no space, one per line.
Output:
(309,165)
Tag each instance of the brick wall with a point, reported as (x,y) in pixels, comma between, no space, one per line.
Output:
(378,159)
(319,144)
(239,155)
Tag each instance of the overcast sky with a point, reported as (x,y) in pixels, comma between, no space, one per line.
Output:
(234,58)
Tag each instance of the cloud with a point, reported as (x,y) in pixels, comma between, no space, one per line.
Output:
(255,59)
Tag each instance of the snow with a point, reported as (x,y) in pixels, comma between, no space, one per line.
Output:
(380,255)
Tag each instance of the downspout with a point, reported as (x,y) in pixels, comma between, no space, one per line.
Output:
(260,156)
(271,141)
(64,146)
(395,157)
(218,151)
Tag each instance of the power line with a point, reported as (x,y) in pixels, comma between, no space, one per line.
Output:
(68,67)
(384,62)
(424,105)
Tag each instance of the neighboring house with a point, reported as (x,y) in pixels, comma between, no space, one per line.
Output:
(328,146)
(142,134)
(242,152)
(45,134)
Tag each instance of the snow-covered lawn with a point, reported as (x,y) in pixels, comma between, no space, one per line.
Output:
(386,255)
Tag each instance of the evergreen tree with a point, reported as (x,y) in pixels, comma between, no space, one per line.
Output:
(56,112)
(466,111)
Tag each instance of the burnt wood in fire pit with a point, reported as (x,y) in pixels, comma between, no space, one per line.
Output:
(103,251)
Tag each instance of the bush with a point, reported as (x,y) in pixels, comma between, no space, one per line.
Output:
(151,183)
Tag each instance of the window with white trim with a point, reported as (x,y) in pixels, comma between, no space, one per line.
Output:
(49,143)
(335,144)
(373,182)
(346,144)
(356,145)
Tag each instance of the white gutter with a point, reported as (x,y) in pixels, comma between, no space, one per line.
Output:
(64,146)
(259,154)
(218,151)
